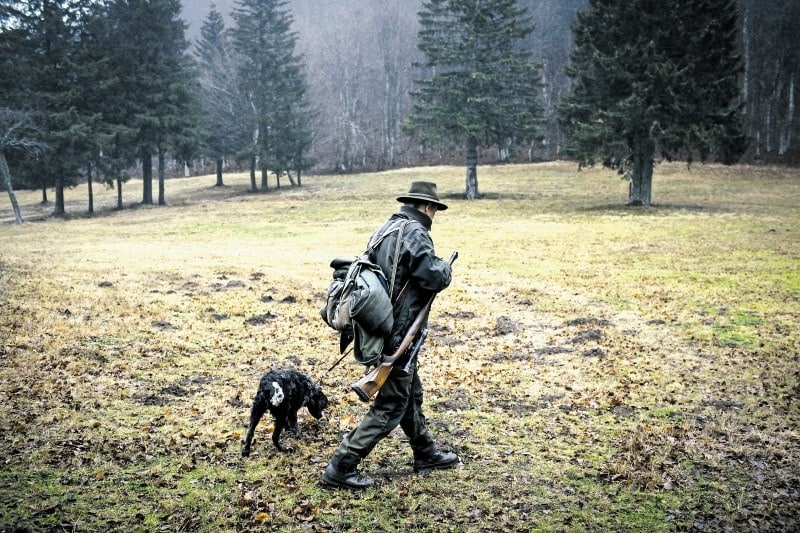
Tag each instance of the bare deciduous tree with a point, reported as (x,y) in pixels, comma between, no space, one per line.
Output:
(16,133)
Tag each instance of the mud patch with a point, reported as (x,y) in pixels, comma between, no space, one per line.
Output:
(515,356)
(504,326)
(515,406)
(594,352)
(163,325)
(260,320)
(589,321)
(460,400)
(552,350)
(461,315)
(185,387)
(587,336)
(285,300)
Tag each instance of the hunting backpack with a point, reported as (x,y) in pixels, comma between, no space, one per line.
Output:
(358,304)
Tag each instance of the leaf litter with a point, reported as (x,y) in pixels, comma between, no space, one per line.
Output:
(126,406)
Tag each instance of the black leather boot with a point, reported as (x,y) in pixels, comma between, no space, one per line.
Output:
(346,478)
(434,461)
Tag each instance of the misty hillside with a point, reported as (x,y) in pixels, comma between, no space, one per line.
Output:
(339,36)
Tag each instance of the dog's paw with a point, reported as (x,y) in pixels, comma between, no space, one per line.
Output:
(245,451)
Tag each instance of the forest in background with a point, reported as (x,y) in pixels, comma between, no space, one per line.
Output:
(103,91)
(359,57)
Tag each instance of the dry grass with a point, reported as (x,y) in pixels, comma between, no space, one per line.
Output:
(596,366)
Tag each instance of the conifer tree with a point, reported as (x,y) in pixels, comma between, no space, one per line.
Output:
(153,76)
(483,88)
(653,78)
(222,101)
(272,76)
(44,58)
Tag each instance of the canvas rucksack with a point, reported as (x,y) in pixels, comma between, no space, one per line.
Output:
(358,303)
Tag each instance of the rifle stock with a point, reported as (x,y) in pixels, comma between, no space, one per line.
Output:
(372,381)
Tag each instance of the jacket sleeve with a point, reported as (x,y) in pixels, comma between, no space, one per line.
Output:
(428,271)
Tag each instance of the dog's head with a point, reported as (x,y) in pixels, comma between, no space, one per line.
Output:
(316,401)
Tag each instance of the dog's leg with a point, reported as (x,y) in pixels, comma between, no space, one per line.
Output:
(280,423)
(291,418)
(259,406)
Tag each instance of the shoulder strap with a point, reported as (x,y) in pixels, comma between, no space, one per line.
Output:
(398,226)
(397,255)
(377,237)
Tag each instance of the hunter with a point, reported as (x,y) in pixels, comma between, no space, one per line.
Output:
(419,275)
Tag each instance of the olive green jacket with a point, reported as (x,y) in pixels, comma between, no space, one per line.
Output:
(417,265)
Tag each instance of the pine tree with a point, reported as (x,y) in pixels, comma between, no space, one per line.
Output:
(272,77)
(483,89)
(653,77)
(154,78)
(222,101)
(48,32)
(110,94)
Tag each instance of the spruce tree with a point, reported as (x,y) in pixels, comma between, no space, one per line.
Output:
(90,75)
(111,94)
(222,101)
(154,79)
(483,88)
(653,78)
(272,76)
(48,32)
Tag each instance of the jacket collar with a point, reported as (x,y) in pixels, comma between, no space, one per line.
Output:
(419,216)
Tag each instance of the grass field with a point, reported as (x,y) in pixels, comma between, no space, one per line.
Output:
(595,366)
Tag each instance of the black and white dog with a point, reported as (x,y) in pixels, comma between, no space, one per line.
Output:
(283,393)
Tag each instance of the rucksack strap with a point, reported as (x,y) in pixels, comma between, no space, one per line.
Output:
(397,256)
(399,226)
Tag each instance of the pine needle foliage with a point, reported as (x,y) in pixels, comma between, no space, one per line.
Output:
(654,78)
(481,88)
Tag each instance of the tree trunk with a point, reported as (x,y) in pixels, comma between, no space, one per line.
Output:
(161,176)
(89,187)
(264,185)
(6,175)
(291,179)
(59,210)
(147,177)
(785,135)
(44,191)
(119,193)
(219,173)
(253,174)
(472,170)
(642,178)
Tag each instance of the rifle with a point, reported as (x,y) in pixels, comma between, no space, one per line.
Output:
(413,352)
(370,384)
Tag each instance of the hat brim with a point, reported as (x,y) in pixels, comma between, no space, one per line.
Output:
(412,198)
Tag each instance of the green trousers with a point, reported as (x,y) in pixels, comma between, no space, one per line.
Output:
(399,401)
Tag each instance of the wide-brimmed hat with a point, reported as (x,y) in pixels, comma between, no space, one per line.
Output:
(422,191)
